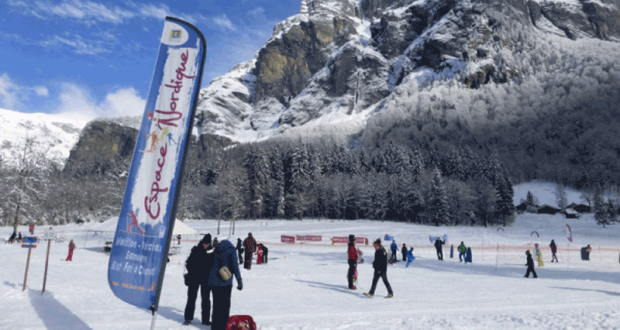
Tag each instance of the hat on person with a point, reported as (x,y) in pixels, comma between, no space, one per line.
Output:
(377,241)
(351,237)
(250,234)
(206,239)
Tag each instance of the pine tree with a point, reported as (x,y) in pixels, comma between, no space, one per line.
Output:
(438,203)
(560,196)
(529,201)
(600,209)
(294,168)
(255,166)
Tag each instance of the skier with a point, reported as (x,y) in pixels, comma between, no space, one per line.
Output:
(352,261)
(179,239)
(249,244)
(410,257)
(438,245)
(462,250)
(71,248)
(539,256)
(530,265)
(259,254)
(199,265)
(19,237)
(380,266)
(554,250)
(240,250)
(394,249)
(225,255)
(404,252)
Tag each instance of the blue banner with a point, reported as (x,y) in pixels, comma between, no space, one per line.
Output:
(142,239)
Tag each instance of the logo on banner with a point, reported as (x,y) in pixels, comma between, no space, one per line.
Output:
(176,34)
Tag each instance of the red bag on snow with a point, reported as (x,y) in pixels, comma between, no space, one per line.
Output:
(240,322)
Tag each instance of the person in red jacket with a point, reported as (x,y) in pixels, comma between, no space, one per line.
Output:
(250,247)
(352,261)
(259,254)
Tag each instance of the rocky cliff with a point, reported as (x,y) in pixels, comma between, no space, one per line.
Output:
(340,60)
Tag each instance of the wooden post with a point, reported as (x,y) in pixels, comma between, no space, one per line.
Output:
(27,265)
(47,258)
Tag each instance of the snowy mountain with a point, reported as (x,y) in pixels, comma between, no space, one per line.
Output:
(37,135)
(336,64)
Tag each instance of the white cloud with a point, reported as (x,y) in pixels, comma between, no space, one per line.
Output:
(86,11)
(77,101)
(8,92)
(79,44)
(223,21)
(41,90)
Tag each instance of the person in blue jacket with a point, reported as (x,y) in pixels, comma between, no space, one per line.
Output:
(394,249)
(225,255)
(410,257)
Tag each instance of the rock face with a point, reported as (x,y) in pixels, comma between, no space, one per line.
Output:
(104,148)
(340,61)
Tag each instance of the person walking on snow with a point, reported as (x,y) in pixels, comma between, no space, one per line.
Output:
(265,253)
(530,265)
(380,266)
(394,248)
(539,255)
(352,261)
(249,244)
(225,255)
(438,246)
(240,250)
(404,252)
(71,248)
(554,250)
(462,250)
(199,265)
(410,257)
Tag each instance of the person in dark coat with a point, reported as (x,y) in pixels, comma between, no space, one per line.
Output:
(403,250)
(554,250)
(380,266)
(12,238)
(249,244)
(438,245)
(240,250)
(225,255)
(199,265)
(530,265)
(19,237)
(352,261)
(265,253)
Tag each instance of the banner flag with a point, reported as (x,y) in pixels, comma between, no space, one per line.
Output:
(569,233)
(142,239)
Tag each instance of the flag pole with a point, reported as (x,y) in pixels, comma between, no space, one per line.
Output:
(177,193)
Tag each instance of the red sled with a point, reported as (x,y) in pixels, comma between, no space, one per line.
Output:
(240,322)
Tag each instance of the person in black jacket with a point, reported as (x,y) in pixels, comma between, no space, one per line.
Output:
(240,250)
(199,265)
(265,253)
(380,266)
(403,250)
(438,245)
(530,265)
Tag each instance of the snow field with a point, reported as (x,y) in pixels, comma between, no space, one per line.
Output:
(304,285)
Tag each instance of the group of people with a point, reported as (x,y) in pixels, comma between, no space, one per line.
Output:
(15,238)
(247,248)
(210,267)
(379,265)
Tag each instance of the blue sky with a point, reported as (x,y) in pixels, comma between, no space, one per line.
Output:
(96,57)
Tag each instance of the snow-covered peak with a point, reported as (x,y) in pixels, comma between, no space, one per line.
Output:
(51,136)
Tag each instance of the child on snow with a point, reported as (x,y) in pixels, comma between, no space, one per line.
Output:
(410,257)
(538,252)
(71,248)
